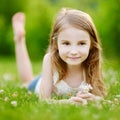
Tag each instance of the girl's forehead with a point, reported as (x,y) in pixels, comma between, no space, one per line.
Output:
(66,26)
(73,33)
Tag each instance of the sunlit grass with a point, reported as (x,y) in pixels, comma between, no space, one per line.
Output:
(18,103)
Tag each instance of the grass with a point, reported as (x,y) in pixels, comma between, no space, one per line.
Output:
(18,103)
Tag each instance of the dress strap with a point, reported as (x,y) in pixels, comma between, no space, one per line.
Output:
(55,77)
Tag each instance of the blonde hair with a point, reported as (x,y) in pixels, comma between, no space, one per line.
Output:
(92,64)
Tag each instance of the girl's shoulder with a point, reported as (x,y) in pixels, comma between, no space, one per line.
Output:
(47,56)
(47,62)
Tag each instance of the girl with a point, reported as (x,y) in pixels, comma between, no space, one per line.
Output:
(72,65)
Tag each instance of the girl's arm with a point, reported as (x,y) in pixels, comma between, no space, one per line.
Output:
(46,81)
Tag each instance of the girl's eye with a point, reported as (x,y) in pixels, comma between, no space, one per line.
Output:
(66,43)
(82,43)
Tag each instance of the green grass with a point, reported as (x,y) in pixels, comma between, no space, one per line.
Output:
(16,103)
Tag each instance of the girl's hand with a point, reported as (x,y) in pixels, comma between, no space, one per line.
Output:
(77,100)
(88,96)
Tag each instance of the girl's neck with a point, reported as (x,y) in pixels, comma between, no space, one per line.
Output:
(74,76)
(74,69)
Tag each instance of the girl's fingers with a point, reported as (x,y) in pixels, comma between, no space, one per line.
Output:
(78,100)
(87,96)
(79,93)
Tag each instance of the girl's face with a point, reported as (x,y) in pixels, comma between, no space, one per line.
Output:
(73,45)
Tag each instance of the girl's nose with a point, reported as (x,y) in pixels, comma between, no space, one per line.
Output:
(73,51)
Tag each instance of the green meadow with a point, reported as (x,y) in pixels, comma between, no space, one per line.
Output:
(17,103)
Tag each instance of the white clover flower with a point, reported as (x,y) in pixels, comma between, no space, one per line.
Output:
(1,91)
(14,103)
(108,101)
(118,96)
(7,76)
(84,102)
(29,92)
(116,100)
(86,88)
(6,99)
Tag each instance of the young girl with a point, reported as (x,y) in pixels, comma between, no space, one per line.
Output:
(72,65)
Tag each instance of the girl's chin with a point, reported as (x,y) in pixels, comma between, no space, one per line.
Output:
(74,63)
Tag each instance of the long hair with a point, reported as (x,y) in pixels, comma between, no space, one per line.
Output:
(92,64)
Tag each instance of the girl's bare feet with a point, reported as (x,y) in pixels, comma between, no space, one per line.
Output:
(22,57)
(18,23)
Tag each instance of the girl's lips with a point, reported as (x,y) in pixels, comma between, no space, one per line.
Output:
(73,58)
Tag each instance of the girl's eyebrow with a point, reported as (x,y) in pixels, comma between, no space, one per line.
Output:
(65,40)
(83,40)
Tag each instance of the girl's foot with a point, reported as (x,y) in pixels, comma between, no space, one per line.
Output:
(18,23)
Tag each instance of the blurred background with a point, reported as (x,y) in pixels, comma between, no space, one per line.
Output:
(39,18)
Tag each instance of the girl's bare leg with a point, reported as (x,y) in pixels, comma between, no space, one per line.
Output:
(22,57)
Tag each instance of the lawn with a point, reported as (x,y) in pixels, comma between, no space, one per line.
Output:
(16,103)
